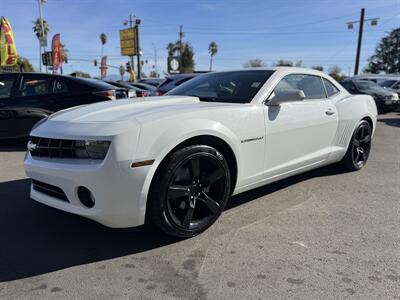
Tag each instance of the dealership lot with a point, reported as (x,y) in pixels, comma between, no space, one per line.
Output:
(323,234)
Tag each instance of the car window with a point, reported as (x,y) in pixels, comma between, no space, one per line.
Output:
(32,86)
(231,87)
(311,85)
(6,85)
(179,82)
(330,88)
(388,83)
(396,86)
(60,86)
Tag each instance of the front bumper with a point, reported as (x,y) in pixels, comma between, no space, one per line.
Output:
(116,186)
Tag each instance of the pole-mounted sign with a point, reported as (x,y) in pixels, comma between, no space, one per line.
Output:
(128,42)
(174,65)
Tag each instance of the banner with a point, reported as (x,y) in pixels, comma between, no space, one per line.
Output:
(103,67)
(8,51)
(57,51)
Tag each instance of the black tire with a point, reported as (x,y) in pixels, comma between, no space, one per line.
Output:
(189,191)
(359,148)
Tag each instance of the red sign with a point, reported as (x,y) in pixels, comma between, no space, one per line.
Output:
(57,51)
(103,67)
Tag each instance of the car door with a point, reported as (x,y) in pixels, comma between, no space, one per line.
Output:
(8,83)
(301,133)
(31,102)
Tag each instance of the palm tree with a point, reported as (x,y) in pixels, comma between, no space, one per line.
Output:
(65,53)
(213,50)
(37,28)
(122,72)
(103,39)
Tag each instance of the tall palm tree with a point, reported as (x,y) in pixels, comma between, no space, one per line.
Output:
(103,39)
(213,50)
(122,72)
(37,28)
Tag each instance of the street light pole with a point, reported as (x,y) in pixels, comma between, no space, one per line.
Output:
(42,34)
(139,66)
(350,25)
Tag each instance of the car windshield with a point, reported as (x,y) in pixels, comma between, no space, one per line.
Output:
(231,87)
(367,85)
(388,83)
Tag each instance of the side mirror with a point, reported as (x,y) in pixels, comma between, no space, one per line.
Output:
(289,95)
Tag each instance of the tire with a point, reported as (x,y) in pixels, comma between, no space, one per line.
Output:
(359,148)
(189,191)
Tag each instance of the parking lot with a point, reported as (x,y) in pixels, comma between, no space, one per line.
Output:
(323,234)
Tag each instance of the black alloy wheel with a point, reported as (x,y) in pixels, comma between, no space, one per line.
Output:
(193,188)
(359,148)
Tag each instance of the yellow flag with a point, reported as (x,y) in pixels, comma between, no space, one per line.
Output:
(8,51)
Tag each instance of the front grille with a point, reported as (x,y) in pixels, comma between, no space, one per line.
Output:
(50,190)
(44,147)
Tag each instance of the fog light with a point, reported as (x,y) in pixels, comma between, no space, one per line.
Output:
(86,197)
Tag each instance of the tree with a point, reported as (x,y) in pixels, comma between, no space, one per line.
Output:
(103,40)
(336,73)
(213,50)
(23,65)
(387,54)
(254,63)
(187,54)
(284,63)
(318,68)
(38,30)
(65,53)
(122,71)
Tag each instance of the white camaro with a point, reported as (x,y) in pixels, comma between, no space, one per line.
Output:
(176,160)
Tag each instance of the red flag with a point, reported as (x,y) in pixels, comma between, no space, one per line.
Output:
(57,51)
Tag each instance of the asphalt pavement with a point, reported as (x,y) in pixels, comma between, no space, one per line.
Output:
(324,234)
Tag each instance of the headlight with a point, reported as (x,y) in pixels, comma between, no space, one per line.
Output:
(91,149)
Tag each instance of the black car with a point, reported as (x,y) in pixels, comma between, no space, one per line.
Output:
(385,100)
(26,98)
(131,90)
(173,81)
(152,90)
(152,81)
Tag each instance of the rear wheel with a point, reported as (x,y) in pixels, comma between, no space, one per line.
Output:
(190,191)
(359,148)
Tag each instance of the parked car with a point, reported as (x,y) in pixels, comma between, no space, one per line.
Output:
(392,85)
(173,81)
(175,160)
(131,91)
(152,81)
(26,98)
(152,90)
(385,100)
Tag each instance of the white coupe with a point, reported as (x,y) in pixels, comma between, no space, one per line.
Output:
(174,161)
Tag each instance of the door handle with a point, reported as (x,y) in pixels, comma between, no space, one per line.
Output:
(329,112)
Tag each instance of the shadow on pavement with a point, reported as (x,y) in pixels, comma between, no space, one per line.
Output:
(395,122)
(36,239)
(13,145)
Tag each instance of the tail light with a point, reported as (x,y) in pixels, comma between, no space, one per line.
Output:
(142,93)
(110,94)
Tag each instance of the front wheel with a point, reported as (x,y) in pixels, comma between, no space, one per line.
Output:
(190,191)
(359,148)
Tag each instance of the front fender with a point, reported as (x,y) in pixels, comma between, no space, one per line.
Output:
(160,143)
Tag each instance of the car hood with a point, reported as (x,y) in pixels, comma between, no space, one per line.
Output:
(126,109)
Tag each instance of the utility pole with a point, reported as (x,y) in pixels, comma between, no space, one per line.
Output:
(42,28)
(181,35)
(155,60)
(139,66)
(350,25)
(131,57)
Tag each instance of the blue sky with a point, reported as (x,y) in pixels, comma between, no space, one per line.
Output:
(313,31)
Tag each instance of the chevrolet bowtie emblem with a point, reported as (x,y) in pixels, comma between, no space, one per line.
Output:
(32,146)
